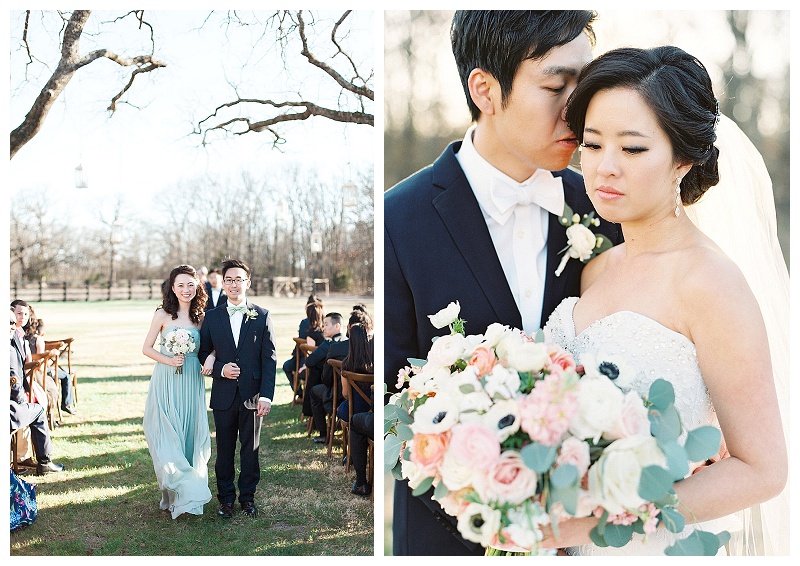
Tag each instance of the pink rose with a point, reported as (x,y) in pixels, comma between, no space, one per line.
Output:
(632,419)
(454,503)
(560,358)
(483,359)
(576,452)
(508,481)
(474,446)
(428,450)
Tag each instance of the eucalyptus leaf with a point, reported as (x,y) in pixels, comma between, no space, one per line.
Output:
(538,457)
(654,483)
(618,535)
(416,362)
(397,471)
(674,522)
(702,443)
(568,496)
(440,491)
(391,452)
(539,336)
(677,460)
(665,425)
(564,475)
(661,394)
(423,486)
(404,432)
(689,546)
(597,538)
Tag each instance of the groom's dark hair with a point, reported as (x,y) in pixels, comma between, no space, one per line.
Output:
(498,41)
(232,263)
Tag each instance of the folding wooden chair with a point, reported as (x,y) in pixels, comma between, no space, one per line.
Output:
(336,365)
(359,384)
(36,371)
(65,346)
(14,460)
(306,349)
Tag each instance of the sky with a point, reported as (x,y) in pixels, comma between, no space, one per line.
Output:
(139,153)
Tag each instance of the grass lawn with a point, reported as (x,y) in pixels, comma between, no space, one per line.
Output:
(106,502)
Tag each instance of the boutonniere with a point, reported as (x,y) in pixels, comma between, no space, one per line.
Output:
(582,243)
(251,314)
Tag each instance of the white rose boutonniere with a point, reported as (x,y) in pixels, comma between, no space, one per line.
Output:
(582,243)
(251,314)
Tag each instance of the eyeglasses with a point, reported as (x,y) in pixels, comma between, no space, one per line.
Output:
(237,280)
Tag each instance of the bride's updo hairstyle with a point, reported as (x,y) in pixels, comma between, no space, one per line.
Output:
(677,88)
(169,302)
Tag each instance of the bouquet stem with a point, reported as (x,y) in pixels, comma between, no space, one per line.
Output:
(179,370)
(498,552)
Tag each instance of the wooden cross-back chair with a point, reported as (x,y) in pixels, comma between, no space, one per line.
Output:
(359,385)
(36,371)
(64,347)
(14,459)
(336,365)
(298,361)
(305,350)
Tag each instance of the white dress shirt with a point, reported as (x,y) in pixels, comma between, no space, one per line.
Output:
(520,239)
(236,320)
(215,293)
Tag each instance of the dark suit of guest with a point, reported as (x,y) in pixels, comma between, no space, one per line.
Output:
(315,364)
(322,392)
(255,356)
(221,300)
(449,256)
(24,413)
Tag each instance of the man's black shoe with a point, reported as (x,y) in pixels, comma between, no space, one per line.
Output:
(249,508)
(321,440)
(68,410)
(225,510)
(362,490)
(48,467)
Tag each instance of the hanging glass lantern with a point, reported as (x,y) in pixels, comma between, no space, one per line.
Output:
(350,196)
(80,178)
(316,242)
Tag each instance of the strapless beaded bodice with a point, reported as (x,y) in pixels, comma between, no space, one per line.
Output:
(651,349)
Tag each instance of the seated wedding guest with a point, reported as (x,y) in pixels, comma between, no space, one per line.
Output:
(24,413)
(316,362)
(367,322)
(214,291)
(310,330)
(361,428)
(22,314)
(359,360)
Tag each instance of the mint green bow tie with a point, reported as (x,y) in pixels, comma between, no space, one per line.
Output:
(238,308)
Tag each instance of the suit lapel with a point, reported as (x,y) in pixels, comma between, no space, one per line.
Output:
(243,329)
(461,214)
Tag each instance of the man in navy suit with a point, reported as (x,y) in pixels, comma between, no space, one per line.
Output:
(242,337)
(215,290)
(481,224)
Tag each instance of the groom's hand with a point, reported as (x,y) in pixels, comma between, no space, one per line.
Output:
(263,408)
(230,371)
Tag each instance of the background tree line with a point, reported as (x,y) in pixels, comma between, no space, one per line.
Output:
(267,222)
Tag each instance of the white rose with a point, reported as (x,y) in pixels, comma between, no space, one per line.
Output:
(599,404)
(527,356)
(494,333)
(436,415)
(632,419)
(472,406)
(447,350)
(581,241)
(614,478)
(445,316)
(455,475)
(479,523)
(502,383)
(410,471)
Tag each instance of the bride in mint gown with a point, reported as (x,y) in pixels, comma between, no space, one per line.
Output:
(175,419)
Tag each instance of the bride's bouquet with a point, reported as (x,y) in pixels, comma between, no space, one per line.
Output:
(179,341)
(513,436)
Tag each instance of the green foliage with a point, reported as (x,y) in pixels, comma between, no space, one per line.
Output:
(539,457)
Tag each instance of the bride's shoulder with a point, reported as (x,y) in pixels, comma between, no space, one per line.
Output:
(596,266)
(707,276)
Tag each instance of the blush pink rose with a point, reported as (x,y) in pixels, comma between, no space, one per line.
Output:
(576,452)
(428,450)
(508,481)
(474,446)
(560,358)
(632,419)
(483,359)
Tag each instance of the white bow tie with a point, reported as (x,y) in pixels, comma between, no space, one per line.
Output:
(542,189)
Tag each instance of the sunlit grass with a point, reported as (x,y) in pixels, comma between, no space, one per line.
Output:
(106,501)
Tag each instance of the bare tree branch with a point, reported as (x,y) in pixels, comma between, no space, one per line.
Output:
(71,61)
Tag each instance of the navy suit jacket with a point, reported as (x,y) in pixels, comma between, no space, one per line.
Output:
(255,355)
(222,300)
(437,249)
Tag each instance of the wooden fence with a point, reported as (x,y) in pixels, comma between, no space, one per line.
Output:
(131,289)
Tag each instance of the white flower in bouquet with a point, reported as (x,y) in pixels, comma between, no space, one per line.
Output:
(503,419)
(413,473)
(429,380)
(446,350)
(632,419)
(599,405)
(472,406)
(455,475)
(614,479)
(446,316)
(494,333)
(502,383)
(610,366)
(473,449)
(479,523)
(435,416)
